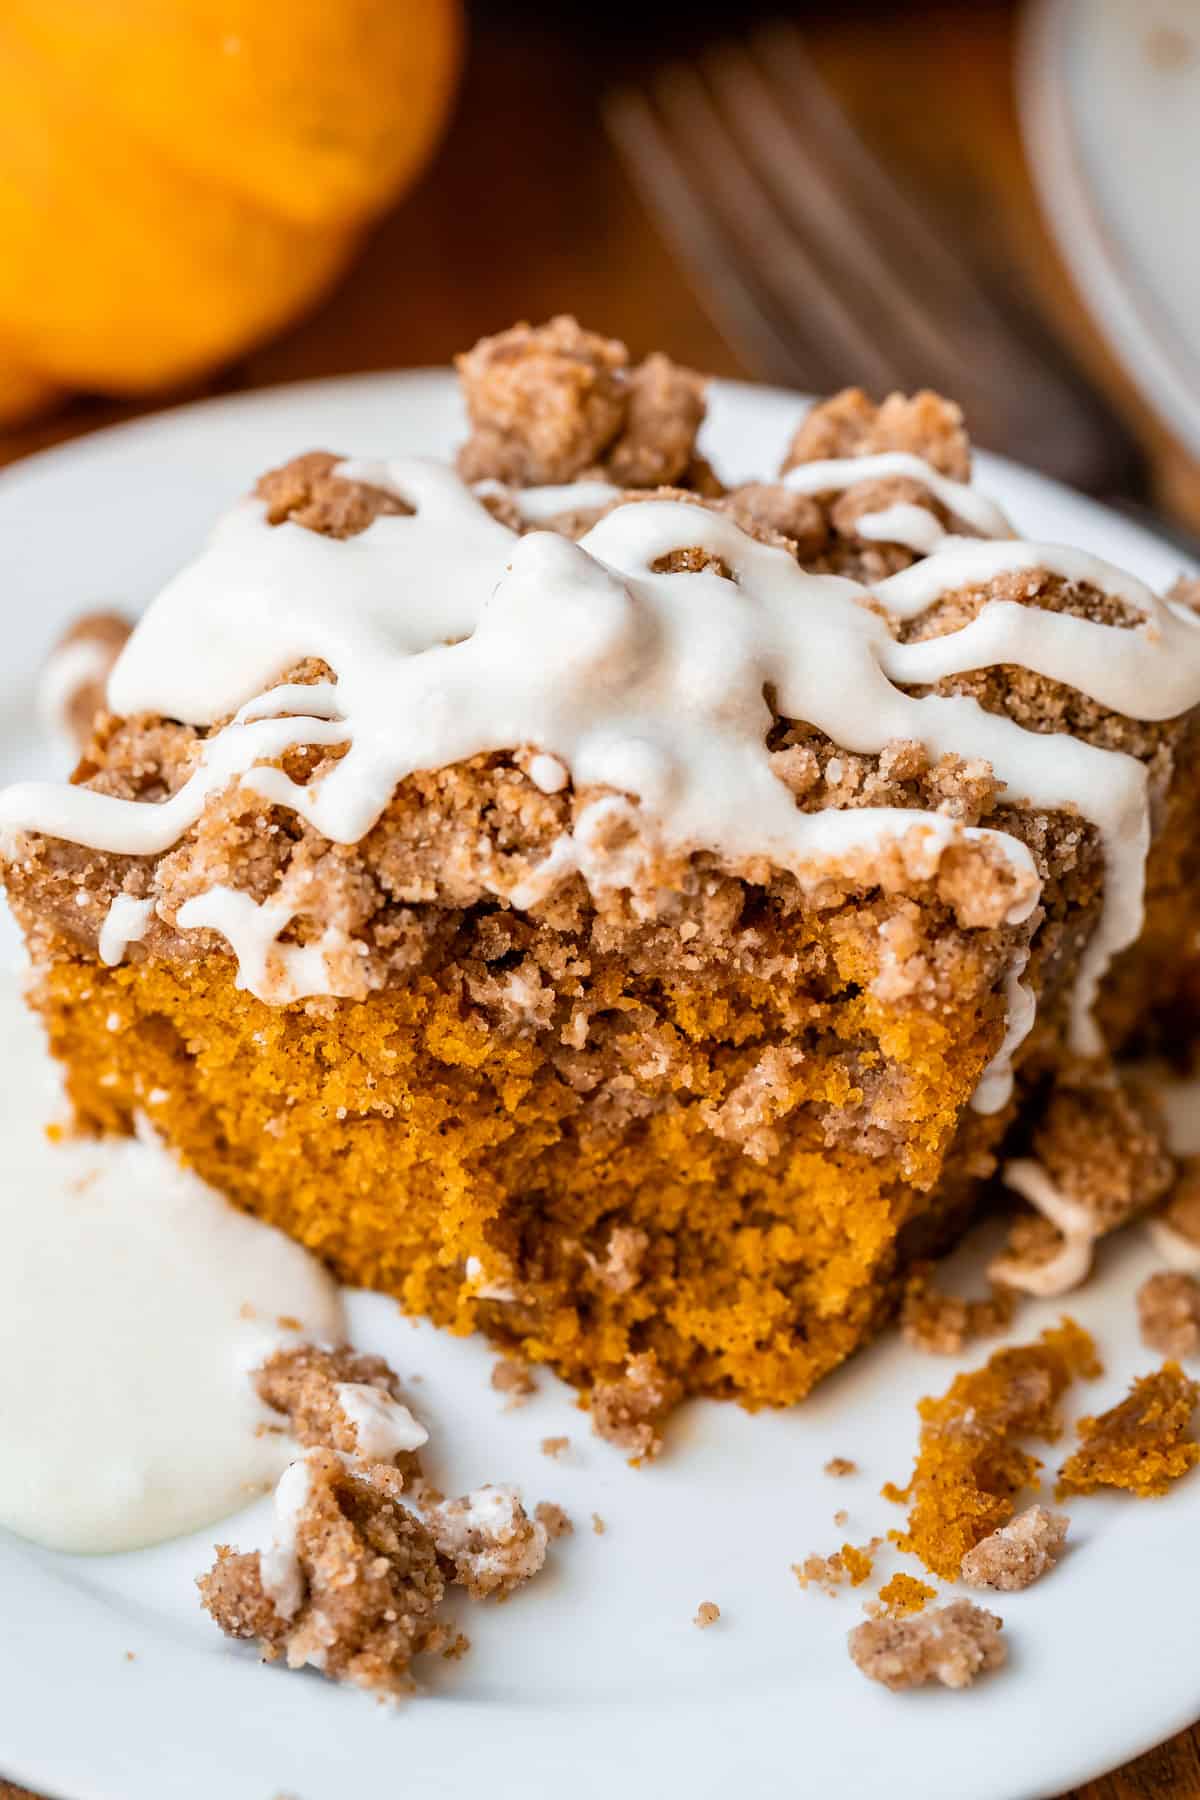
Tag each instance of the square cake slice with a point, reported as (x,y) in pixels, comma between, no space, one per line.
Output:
(625,916)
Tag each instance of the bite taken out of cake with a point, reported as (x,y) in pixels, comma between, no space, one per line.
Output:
(623,915)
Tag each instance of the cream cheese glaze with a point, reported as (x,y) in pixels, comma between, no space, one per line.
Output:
(450,636)
(135,1303)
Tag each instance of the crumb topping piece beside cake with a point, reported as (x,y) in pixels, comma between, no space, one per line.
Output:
(952,1645)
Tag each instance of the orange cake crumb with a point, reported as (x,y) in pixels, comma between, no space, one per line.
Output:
(1168,1306)
(554,1446)
(837,1466)
(904,1595)
(707,1613)
(1019,1553)
(852,1563)
(1142,1444)
(598,1525)
(970,1465)
(952,1645)
(840,1517)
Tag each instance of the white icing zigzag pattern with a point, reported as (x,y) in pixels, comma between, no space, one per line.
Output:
(450,636)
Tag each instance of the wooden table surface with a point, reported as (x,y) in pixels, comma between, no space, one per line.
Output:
(525,212)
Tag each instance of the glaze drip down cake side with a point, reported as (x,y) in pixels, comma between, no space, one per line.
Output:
(625,916)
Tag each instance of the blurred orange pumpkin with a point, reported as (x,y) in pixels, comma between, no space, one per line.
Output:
(180,177)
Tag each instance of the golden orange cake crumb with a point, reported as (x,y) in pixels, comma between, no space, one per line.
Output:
(707,1613)
(598,1525)
(904,1595)
(951,1645)
(970,1465)
(554,1446)
(1142,1444)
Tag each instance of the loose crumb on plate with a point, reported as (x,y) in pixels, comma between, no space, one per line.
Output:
(902,1596)
(555,1520)
(489,1540)
(852,1563)
(554,1446)
(1168,1306)
(952,1644)
(838,1466)
(513,1379)
(1142,1444)
(598,1525)
(1019,1553)
(840,1517)
(707,1613)
(943,1324)
(352,1588)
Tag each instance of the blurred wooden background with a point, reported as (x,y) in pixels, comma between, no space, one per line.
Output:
(525,212)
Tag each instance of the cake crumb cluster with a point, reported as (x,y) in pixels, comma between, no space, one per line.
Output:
(513,1379)
(952,1645)
(363,1545)
(970,1462)
(367,1596)
(944,1324)
(1168,1306)
(1143,1444)
(840,1466)
(1019,1553)
(851,1564)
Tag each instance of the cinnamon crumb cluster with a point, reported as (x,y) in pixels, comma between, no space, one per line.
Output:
(363,1547)
(944,1324)
(1019,1553)
(952,1645)
(1168,1306)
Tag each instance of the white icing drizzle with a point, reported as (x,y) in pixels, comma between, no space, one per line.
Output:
(1178,1252)
(69,670)
(833,475)
(1071,1265)
(904,523)
(125,923)
(273,971)
(383,1426)
(450,636)
(279,1567)
(996,1083)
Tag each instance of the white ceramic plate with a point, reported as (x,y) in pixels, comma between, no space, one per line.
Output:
(593,1680)
(1110,105)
